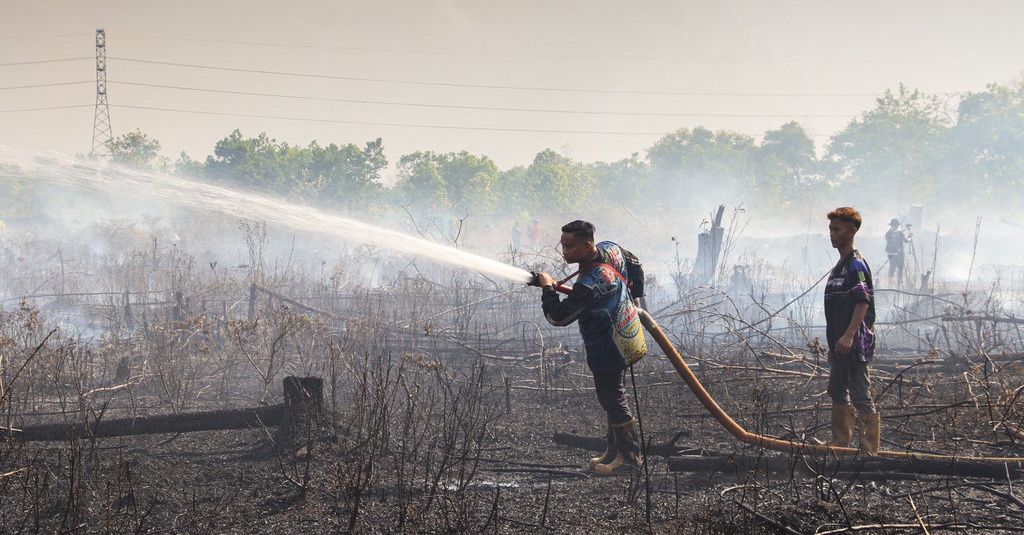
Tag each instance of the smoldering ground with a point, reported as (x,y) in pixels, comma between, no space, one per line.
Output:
(444,388)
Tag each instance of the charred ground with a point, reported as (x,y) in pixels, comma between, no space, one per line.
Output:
(443,396)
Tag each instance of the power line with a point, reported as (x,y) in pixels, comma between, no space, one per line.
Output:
(49,108)
(40,61)
(368,123)
(476,108)
(423,52)
(317,47)
(485,86)
(402,125)
(888,59)
(36,86)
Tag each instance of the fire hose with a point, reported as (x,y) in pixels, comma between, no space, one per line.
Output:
(772,443)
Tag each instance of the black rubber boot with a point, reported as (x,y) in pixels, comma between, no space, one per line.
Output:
(627,450)
(609,451)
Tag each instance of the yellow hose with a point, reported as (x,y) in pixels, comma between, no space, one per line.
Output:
(772,443)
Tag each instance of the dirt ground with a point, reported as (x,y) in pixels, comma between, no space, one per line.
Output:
(474,417)
(496,470)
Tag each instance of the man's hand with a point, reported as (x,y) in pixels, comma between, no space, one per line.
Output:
(844,344)
(543,279)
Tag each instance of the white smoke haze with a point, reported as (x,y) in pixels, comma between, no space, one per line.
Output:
(96,213)
(142,193)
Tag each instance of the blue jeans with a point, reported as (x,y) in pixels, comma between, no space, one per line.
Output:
(850,383)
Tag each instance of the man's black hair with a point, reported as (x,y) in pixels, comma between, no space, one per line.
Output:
(583,230)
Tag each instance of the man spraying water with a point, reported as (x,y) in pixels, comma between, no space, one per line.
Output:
(604,302)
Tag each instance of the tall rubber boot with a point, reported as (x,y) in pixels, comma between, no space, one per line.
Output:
(870,434)
(627,450)
(843,417)
(609,451)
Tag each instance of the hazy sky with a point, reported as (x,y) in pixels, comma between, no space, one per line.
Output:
(594,79)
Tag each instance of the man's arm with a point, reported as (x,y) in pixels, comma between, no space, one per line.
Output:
(845,342)
(560,313)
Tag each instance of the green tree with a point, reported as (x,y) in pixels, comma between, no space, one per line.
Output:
(137,150)
(688,166)
(556,182)
(787,168)
(452,180)
(988,144)
(335,174)
(471,180)
(891,152)
(251,162)
(625,179)
(347,175)
(420,181)
(185,165)
(512,187)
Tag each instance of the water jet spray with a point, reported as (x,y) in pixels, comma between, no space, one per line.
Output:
(65,171)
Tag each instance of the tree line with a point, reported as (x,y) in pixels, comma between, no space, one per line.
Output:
(911,148)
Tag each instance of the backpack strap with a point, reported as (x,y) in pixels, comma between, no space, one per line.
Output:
(609,266)
(560,285)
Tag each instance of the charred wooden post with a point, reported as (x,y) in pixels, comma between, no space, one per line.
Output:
(177,312)
(303,395)
(252,301)
(303,400)
(128,319)
(709,246)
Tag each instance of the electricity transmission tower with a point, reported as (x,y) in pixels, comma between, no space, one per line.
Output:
(101,134)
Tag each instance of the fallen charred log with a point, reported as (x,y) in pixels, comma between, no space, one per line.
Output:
(172,423)
(598,444)
(848,466)
(876,467)
(303,403)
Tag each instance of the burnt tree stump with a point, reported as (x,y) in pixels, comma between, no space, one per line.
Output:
(303,401)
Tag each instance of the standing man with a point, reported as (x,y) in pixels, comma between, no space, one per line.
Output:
(849,320)
(517,234)
(895,244)
(534,233)
(604,301)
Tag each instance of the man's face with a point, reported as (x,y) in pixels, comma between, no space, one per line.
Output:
(841,233)
(576,250)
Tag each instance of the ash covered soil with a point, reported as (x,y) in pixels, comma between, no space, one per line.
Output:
(475,457)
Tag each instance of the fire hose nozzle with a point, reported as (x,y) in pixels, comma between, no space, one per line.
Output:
(534,279)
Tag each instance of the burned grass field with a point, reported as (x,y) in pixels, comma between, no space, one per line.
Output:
(144,393)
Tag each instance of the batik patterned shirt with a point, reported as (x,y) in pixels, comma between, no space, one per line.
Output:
(601,304)
(849,284)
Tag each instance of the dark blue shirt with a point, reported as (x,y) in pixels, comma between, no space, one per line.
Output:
(849,284)
(600,301)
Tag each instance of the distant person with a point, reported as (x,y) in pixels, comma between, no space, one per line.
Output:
(517,235)
(604,302)
(895,246)
(739,281)
(534,233)
(850,320)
